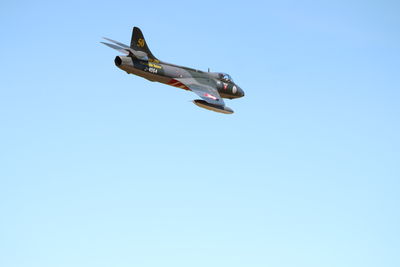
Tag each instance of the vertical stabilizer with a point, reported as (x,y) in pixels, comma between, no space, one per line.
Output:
(138,43)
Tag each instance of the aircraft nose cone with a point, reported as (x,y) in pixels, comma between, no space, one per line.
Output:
(240,92)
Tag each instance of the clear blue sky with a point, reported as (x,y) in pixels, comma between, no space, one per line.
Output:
(101,168)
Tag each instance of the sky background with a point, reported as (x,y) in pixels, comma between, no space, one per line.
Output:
(99,168)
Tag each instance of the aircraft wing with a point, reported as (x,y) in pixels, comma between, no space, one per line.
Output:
(208,92)
(204,89)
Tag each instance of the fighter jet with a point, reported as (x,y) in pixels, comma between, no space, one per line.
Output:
(211,87)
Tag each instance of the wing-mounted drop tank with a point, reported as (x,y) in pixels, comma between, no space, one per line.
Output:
(216,108)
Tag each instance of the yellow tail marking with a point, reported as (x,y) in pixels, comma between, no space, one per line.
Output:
(140,42)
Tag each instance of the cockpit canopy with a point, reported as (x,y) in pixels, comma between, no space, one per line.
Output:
(225,77)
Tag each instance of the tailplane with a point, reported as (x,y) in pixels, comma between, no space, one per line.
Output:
(138,43)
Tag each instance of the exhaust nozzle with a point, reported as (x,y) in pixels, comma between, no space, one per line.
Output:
(118,61)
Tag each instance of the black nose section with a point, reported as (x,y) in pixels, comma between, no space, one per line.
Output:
(241,92)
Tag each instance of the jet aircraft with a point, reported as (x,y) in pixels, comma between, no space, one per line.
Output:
(212,87)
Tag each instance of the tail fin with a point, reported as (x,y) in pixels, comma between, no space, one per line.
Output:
(138,43)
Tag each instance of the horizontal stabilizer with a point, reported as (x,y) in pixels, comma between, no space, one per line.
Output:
(139,54)
(118,48)
(116,42)
(126,50)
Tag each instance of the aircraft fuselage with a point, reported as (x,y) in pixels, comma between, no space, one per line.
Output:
(167,73)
